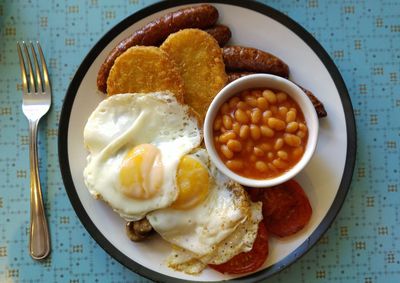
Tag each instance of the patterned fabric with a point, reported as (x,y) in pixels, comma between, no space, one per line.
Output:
(361,36)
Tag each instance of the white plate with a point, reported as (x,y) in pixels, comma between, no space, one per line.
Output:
(326,179)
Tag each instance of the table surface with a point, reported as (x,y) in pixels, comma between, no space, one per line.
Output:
(361,36)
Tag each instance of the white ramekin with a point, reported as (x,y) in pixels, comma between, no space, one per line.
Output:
(271,82)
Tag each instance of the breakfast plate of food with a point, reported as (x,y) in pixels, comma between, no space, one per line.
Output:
(207,142)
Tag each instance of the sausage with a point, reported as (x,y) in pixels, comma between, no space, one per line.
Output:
(138,230)
(238,58)
(221,33)
(318,105)
(232,76)
(155,32)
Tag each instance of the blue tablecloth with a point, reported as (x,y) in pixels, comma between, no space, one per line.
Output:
(361,36)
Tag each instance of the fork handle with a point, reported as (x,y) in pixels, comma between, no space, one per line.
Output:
(39,239)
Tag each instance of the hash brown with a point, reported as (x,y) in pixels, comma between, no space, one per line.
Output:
(199,59)
(145,69)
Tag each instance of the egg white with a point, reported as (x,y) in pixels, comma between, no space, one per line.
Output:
(123,121)
(199,234)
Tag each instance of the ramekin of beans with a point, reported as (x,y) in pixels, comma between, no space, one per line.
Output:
(261,130)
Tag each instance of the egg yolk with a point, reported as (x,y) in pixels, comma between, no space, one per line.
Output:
(193,183)
(141,172)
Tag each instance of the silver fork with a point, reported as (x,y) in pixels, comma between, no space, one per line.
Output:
(35,104)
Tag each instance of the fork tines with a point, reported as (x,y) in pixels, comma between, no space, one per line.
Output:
(41,84)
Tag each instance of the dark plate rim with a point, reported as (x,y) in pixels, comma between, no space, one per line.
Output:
(269,12)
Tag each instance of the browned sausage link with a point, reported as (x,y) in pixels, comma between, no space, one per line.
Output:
(238,58)
(221,33)
(138,230)
(232,76)
(155,32)
(319,107)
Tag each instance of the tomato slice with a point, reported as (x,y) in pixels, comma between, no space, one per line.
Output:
(247,261)
(286,208)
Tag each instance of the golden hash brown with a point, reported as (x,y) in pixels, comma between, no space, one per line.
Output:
(199,59)
(145,69)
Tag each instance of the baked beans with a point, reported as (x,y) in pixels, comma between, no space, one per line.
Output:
(260,133)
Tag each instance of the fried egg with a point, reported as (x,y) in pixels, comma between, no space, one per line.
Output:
(135,143)
(211,220)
